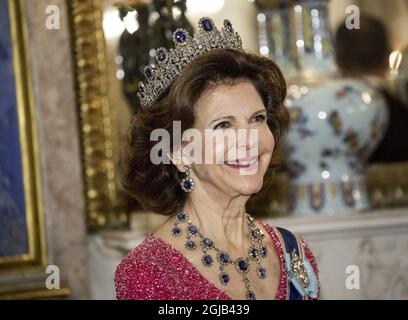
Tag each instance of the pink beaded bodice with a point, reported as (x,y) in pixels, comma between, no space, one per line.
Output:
(155,270)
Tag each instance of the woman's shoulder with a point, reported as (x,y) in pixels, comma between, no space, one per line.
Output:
(141,269)
(145,252)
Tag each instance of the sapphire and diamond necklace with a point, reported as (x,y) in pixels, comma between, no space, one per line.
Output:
(256,252)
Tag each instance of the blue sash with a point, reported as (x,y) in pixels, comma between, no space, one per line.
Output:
(290,244)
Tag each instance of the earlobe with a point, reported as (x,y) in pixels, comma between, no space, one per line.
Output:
(178,160)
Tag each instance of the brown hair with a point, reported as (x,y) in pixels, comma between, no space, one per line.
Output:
(156,186)
(362,50)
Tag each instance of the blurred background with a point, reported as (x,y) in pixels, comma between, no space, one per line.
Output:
(69,73)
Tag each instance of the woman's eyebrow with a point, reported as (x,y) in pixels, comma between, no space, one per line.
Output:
(232,117)
(223,117)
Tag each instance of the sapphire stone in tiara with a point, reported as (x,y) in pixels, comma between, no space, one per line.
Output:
(161,55)
(228,25)
(206,24)
(148,72)
(181,36)
(171,62)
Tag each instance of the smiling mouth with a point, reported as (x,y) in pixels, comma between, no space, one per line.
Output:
(240,164)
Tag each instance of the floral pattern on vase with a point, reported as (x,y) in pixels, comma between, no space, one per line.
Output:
(344,120)
(335,123)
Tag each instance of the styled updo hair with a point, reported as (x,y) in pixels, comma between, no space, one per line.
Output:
(156,186)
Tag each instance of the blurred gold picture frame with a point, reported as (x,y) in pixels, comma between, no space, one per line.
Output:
(105,203)
(106,207)
(36,256)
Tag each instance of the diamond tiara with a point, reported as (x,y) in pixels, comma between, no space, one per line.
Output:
(170,63)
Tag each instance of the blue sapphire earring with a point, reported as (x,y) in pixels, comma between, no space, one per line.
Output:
(187,183)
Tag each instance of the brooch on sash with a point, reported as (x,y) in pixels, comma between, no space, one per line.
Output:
(301,275)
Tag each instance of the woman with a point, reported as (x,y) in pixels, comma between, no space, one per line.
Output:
(209,247)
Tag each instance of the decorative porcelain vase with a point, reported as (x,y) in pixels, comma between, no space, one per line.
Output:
(336,123)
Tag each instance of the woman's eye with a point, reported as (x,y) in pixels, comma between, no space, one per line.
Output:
(260,118)
(222,125)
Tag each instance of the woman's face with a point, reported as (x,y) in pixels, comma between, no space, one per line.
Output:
(245,155)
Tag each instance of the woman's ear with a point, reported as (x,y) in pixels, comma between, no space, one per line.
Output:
(178,158)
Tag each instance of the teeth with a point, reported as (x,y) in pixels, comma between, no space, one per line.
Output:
(244,163)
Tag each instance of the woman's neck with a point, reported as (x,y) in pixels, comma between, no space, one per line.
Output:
(222,219)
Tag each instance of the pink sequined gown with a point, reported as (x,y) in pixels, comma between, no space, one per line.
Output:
(155,270)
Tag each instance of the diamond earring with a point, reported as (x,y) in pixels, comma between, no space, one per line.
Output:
(187,183)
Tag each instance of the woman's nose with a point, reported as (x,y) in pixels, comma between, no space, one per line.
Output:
(247,138)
